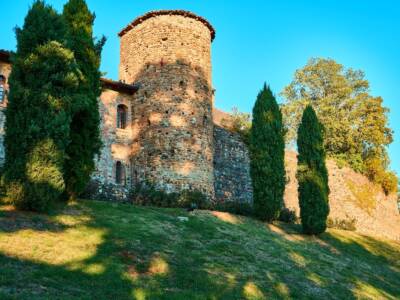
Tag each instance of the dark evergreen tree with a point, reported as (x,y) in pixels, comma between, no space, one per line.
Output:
(267,148)
(312,174)
(85,132)
(43,77)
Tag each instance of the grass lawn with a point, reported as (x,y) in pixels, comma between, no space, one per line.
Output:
(98,250)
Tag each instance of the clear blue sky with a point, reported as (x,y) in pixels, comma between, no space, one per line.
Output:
(259,41)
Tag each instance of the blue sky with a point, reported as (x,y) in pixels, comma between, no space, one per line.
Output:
(259,41)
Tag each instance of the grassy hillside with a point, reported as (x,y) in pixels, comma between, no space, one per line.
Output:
(97,250)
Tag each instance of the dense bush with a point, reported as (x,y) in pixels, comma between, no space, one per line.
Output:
(377,173)
(288,216)
(389,182)
(344,224)
(148,194)
(267,153)
(312,174)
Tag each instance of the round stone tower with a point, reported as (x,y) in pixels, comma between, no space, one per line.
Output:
(167,54)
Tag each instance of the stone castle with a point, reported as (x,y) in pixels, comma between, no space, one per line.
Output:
(159,124)
(158,120)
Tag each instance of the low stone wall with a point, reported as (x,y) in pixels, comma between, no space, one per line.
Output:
(97,190)
(231,167)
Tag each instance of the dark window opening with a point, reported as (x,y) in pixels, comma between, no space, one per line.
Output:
(205,119)
(119,173)
(122,112)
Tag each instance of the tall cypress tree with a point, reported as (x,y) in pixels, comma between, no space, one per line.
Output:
(43,77)
(85,133)
(312,174)
(267,156)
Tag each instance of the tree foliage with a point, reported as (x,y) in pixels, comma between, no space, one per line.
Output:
(84,130)
(356,123)
(43,78)
(312,174)
(240,123)
(267,149)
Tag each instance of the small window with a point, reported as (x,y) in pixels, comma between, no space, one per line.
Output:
(122,113)
(2,87)
(119,173)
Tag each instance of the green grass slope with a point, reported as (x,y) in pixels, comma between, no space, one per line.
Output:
(98,250)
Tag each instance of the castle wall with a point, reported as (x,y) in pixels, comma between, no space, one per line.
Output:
(169,57)
(117,144)
(5,69)
(232,180)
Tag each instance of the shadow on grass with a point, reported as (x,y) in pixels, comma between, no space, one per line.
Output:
(147,253)
(12,220)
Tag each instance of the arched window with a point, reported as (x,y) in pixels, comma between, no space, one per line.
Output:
(119,173)
(122,114)
(2,87)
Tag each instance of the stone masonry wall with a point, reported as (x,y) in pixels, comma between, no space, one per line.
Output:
(117,145)
(168,56)
(232,180)
(5,69)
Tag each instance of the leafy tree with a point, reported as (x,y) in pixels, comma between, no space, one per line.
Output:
(85,132)
(356,123)
(267,147)
(43,77)
(312,174)
(240,123)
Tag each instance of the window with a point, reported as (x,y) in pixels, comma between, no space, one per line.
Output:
(2,87)
(119,173)
(122,113)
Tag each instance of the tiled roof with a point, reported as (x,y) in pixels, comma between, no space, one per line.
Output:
(119,86)
(5,55)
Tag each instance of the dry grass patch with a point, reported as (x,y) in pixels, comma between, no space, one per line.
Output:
(226,217)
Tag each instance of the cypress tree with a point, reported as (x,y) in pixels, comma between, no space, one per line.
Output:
(43,77)
(85,133)
(312,174)
(267,148)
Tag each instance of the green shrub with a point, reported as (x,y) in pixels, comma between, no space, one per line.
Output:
(189,198)
(288,216)
(344,224)
(149,194)
(378,174)
(15,193)
(388,182)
